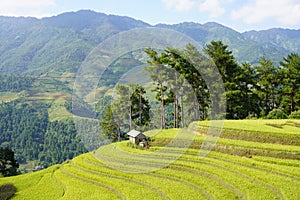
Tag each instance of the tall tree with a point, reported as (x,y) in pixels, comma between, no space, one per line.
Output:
(122,108)
(109,124)
(230,72)
(175,83)
(248,86)
(140,107)
(186,66)
(158,73)
(193,69)
(224,61)
(267,80)
(291,81)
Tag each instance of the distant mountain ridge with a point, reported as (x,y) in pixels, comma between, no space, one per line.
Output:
(60,43)
(283,38)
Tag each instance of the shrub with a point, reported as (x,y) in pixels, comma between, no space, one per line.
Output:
(277,114)
(295,115)
(7,191)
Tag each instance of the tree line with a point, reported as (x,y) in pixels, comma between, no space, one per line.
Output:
(257,90)
(250,90)
(182,95)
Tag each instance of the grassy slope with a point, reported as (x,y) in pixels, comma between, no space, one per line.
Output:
(103,174)
(58,111)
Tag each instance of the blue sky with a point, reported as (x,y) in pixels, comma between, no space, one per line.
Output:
(241,15)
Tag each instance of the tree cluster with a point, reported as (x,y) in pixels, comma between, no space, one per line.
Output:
(129,110)
(186,88)
(250,90)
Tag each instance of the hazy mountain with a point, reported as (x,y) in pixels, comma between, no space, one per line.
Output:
(244,48)
(286,39)
(59,44)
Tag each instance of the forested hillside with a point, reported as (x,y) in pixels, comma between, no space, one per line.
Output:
(27,130)
(56,44)
(59,44)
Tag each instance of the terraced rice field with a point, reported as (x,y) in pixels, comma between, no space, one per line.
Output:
(169,171)
(8,96)
(280,126)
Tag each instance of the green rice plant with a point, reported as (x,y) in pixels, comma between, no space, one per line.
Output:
(172,188)
(286,184)
(153,180)
(236,181)
(46,188)
(26,181)
(265,184)
(290,169)
(212,186)
(278,161)
(255,136)
(243,185)
(280,126)
(96,168)
(258,145)
(131,190)
(77,189)
(93,164)
(141,159)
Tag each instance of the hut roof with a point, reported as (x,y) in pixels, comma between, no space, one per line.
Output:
(133,133)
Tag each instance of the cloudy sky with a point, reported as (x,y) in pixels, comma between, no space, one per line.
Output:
(241,15)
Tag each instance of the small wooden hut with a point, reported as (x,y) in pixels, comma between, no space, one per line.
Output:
(136,136)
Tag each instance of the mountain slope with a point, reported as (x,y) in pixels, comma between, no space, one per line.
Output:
(286,39)
(56,44)
(60,43)
(244,48)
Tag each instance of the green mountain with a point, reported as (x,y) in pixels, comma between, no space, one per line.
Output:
(244,48)
(285,39)
(59,44)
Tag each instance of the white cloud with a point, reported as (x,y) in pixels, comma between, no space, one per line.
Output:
(213,7)
(286,12)
(179,5)
(25,7)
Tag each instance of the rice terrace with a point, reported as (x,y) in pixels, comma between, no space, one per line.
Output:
(258,170)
